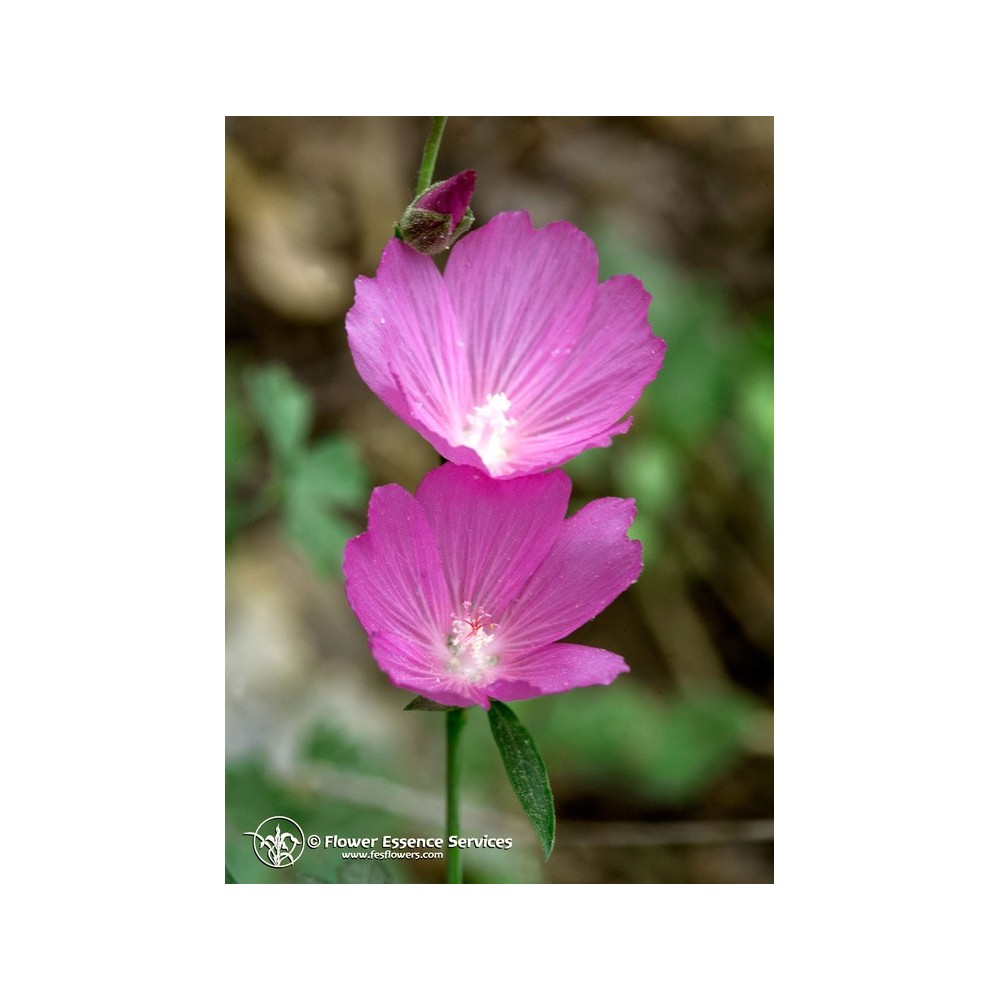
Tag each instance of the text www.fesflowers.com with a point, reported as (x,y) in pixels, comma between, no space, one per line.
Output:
(395,855)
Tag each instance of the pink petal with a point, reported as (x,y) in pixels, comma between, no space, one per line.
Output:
(401,331)
(521,297)
(418,417)
(414,668)
(579,403)
(393,572)
(492,535)
(556,668)
(591,563)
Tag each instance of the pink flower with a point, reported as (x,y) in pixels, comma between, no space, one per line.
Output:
(465,589)
(515,359)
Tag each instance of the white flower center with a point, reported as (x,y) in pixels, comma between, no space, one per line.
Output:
(485,428)
(469,641)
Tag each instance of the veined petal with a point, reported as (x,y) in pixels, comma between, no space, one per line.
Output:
(366,335)
(402,333)
(591,563)
(419,419)
(393,572)
(553,450)
(492,535)
(415,668)
(521,297)
(555,668)
(599,380)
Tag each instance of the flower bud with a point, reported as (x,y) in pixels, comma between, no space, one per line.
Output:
(440,215)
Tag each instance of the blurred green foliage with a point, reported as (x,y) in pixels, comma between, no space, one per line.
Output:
(311,484)
(718,374)
(284,410)
(669,751)
(665,751)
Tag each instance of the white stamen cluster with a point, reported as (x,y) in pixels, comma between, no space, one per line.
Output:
(471,635)
(485,428)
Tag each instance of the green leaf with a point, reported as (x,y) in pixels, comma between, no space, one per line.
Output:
(320,534)
(229,878)
(526,771)
(330,472)
(317,480)
(284,410)
(422,704)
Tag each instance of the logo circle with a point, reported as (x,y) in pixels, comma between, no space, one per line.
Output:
(278,841)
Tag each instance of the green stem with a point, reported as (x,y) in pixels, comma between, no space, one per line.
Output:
(430,155)
(454,720)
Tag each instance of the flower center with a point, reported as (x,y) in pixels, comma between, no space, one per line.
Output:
(485,428)
(469,641)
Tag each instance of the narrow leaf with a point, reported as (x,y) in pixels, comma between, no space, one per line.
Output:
(422,704)
(526,771)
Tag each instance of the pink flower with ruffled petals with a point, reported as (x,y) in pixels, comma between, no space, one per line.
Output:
(465,588)
(515,359)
